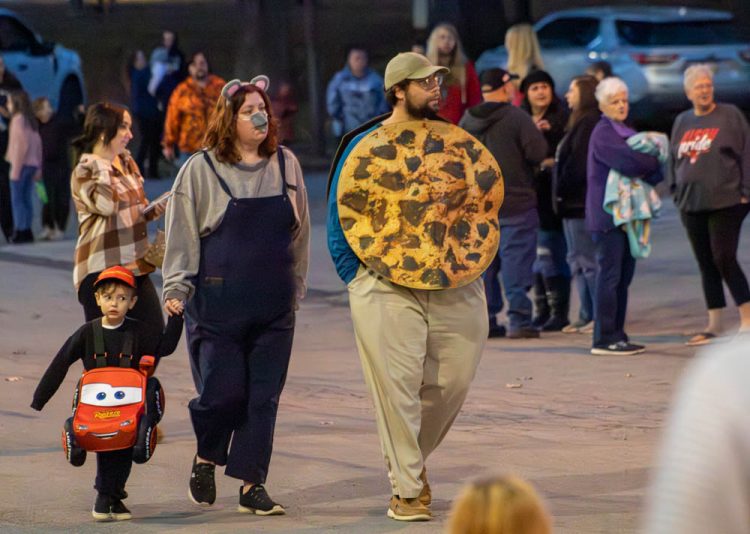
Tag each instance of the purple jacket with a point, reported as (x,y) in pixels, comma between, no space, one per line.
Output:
(608,150)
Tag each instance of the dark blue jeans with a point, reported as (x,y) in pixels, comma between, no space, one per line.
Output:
(518,235)
(551,251)
(582,261)
(492,288)
(615,269)
(21,192)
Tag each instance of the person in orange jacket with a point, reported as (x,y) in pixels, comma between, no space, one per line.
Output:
(189,107)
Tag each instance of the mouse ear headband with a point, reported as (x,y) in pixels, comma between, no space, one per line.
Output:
(261,82)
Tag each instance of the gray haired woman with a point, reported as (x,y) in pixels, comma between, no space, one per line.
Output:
(609,150)
(710,181)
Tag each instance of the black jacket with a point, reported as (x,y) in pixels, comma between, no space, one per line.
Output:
(518,146)
(80,346)
(557,116)
(569,177)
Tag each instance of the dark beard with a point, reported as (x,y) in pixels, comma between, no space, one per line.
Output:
(420,113)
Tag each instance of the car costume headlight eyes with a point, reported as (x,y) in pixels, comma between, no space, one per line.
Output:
(126,423)
(100,394)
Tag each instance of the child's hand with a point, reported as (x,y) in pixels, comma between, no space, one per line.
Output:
(174,307)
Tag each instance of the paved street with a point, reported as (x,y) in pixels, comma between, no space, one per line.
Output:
(583,429)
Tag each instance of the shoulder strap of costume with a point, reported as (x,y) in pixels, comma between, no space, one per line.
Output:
(222,183)
(100,356)
(282,168)
(126,355)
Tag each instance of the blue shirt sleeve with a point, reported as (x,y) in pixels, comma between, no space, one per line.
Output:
(344,258)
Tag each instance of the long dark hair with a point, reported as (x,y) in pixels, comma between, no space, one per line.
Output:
(102,122)
(587,104)
(222,129)
(22,106)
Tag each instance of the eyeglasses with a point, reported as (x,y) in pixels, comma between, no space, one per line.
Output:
(433,80)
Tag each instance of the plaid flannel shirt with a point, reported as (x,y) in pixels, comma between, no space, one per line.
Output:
(111,226)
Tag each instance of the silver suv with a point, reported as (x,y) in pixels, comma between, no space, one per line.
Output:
(43,68)
(648,47)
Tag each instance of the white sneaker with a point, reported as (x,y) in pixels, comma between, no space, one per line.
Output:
(57,234)
(46,233)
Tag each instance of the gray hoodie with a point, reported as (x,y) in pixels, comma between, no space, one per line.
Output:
(518,146)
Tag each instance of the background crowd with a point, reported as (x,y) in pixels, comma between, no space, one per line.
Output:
(573,170)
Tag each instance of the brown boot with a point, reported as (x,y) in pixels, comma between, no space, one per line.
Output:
(425,496)
(408,510)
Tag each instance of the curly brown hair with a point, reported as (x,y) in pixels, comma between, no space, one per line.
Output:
(221,135)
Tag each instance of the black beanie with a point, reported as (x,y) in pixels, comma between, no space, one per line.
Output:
(537,76)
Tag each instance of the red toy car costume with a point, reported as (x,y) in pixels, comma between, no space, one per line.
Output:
(114,407)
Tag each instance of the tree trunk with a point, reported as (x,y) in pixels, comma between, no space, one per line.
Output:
(247,61)
(313,80)
(517,11)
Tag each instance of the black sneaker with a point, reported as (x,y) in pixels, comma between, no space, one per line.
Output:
(523,332)
(118,511)
(102,505)
(621,348)
(256,501)
(496,330)
(202,484)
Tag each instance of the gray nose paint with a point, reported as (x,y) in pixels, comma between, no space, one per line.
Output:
(259,120)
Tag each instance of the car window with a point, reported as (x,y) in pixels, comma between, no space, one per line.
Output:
(572,32)
(14,36)
(682,33)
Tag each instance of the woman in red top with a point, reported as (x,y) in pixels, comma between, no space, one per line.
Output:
(460,90)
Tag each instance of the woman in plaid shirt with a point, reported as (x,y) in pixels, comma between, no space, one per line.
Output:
(108,194)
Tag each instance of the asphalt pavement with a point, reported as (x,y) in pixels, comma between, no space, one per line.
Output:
(583,429)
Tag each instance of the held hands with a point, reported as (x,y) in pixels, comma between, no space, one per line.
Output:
(174,307)
(543,125)
(744,200)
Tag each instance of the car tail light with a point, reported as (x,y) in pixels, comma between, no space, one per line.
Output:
(654,59)
(745,55)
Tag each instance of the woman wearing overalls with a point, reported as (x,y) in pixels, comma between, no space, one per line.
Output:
(237,253)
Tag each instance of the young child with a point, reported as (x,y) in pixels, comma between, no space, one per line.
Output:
(499,505)
(115,290)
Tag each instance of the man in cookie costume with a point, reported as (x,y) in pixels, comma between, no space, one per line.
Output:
(412,223)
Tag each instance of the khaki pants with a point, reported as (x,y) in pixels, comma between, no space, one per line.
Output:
(419,351)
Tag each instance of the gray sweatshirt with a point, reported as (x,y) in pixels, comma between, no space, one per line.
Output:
(710,159)
(198,204)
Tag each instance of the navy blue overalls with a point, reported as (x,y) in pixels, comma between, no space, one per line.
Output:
(241,323)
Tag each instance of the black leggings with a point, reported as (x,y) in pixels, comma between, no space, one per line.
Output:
(714,236)
(56,177)
(147,308)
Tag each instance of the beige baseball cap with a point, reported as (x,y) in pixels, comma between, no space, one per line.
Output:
(409,66)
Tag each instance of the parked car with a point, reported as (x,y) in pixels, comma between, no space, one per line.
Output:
(649,47)
(43,68)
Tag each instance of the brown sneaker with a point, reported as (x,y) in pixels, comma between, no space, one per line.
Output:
(425,496)
(408,510)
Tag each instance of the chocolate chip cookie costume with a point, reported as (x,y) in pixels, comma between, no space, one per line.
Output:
(412,224)
(418,204)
